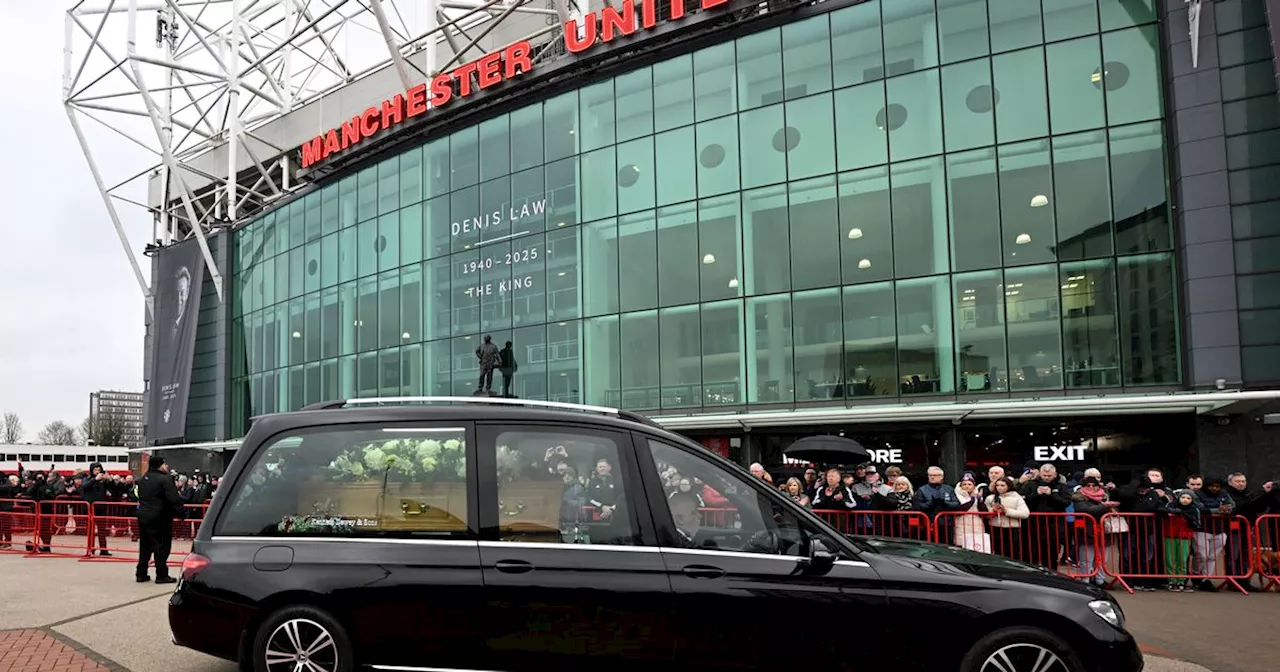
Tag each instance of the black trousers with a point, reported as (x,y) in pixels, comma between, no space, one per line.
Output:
(155,540)
(507,377)
(486,379)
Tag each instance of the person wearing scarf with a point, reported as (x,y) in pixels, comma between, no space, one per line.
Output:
(970,532)
(899,499)
(1092,500)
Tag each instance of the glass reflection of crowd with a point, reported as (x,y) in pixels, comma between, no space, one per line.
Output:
(64,499)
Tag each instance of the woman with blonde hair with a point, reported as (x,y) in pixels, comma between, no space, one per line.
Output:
(1006,526)
(970,532)
(795,490)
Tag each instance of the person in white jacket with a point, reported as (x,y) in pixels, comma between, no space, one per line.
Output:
(1010,510)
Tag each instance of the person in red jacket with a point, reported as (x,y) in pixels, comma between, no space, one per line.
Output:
(1180,527)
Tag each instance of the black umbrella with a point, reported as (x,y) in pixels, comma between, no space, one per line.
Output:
(827,449)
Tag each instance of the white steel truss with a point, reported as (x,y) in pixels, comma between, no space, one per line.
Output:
(189,79)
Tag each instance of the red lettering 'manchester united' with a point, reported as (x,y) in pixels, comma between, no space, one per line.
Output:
(489,70)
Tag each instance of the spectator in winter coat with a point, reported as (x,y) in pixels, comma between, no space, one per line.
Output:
(98,488)
(869,487)
(834,496)
(1006,525)
(1149,494)
(935,496)
(1048,493)
(1092,500)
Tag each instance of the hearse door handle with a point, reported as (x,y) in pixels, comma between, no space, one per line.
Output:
(513,566)
(703,572)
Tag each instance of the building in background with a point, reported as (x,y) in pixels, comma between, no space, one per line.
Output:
(119,413)
(963,231)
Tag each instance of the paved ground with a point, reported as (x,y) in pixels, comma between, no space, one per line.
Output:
(92,616)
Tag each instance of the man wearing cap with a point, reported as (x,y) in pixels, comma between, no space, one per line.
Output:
(158,504)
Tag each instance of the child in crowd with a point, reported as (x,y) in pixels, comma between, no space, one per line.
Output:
(1182,524)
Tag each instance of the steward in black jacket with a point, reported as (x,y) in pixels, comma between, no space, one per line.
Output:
(97,487)
(158,505)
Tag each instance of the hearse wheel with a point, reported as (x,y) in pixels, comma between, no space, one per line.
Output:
(301,639)
(1021,649)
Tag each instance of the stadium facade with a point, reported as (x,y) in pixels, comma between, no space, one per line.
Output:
(963,231)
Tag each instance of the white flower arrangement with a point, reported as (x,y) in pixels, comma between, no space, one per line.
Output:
(401,460)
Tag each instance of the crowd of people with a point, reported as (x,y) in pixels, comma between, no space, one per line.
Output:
(111,497)
(1182,541)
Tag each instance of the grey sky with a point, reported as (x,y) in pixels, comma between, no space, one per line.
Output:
(70,311)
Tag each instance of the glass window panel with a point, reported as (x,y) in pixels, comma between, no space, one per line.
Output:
(598,181)
(713,81)
(1033,311)
(529,379)
(1014,24)
(673,93)
(366,248)
(297,272)
(282,278)
(468,288)
(311,216)
(1090,347)
(389,330)
(411,235)
(560,121)
(601,347)
(1246,46)
(367,194)
(465,219)
(497,219)
(634,93)
(1260,363)
(910,37)
(411,370)
(914,115)
(389,372)
(311,267)
(347,376)
(276,322)
(1082,195)
(297,223)
(529,280)
(389,185)
(866,232)
(920,217)
(1259,255)
(435,168)
(974,191)
(719,247)
(770,370)
(464,367)
(856,48)
(495,148)
(962,30)
(1253,149)
(437,281)
(1148,319)
(388,241)
(680,366)
(529,200)
(968,102)
(638,261)
(1258,291)
(1252,115)
(634,175)
(762,163)
(1138,188)
(1075,100)
(348,304)
(526,137)
(293,389)
(678,259)
(464,158)
(870,341)
(496,287)
(760,69)
(809,139)
(925,354)
(329,209)
(562,193)
(638,333)
(815,233)
(311,335)
(675,155)
(717,143)
(1027,225)
(1124,13)
(367,314)
(806,57)
(436,224)
(818,337)
(979,304)
(347,201)
(862,136)
(722,365)
(600,263)
(1233,16)
(411,177)
(1132,76)
(766,242)
(1023,113)
(331,324)
(596,116)
(1259,327)
(564,370)
(562,274)
(1064,19)
(297,326)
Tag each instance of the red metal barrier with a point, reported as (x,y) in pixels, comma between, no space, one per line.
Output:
(900,524)
(17,525)
(1066,543)
(1267,550)
(115,529)
(1147,550)
(60,524)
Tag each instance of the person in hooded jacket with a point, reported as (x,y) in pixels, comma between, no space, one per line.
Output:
(42,493)
(1145,540)
(1216,506)
(1091,500)
(97,487)
(8,491)
(1046,536)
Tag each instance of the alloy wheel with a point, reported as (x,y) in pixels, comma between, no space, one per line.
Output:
(1023,658)
(301,645)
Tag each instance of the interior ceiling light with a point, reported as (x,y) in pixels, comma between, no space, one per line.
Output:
(733,283)
(405,336)
(1039,201)
(865,263)
(709,258)
(855,233)
(1023,238)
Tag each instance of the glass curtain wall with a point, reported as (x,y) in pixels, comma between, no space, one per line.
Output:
(892,199)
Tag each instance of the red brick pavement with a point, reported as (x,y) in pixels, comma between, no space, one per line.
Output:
(35,651)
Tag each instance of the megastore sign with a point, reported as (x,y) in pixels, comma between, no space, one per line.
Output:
(490,70)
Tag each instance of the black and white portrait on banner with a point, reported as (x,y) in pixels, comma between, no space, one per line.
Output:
(179,277)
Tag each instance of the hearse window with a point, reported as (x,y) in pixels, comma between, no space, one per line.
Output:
(354,482)
(558,486)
